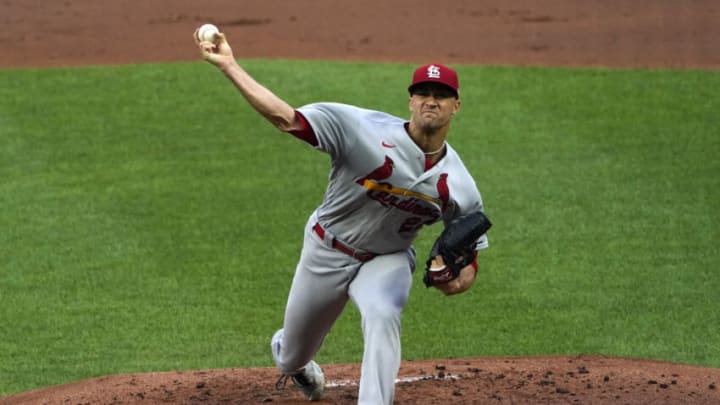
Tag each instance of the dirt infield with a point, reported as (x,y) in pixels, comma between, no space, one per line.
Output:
(540,380)
(641,33)
(637,33)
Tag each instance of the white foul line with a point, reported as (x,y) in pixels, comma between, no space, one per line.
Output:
(352,383)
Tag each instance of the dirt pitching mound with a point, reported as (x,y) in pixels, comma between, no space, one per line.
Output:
(503,380)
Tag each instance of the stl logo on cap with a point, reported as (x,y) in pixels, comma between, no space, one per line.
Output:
(437,73)
(433,72)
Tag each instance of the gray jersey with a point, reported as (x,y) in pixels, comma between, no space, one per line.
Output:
(379,194)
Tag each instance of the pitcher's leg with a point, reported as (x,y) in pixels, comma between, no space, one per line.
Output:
(317,297)
(313,306)
(380,291)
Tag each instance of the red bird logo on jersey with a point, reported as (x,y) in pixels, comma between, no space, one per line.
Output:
(381,173)
(443,191)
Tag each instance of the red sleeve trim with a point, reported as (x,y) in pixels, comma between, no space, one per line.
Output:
(306,133)
(474,263)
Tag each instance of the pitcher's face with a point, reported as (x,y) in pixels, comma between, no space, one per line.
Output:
(432,105)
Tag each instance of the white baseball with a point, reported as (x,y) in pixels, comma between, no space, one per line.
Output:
(207,32)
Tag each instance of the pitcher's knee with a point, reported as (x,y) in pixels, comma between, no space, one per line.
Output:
(288,359)
(379,319)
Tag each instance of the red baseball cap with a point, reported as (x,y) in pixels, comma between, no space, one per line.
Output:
(437,73)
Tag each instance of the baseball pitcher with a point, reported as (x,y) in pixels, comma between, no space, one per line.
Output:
(390,177)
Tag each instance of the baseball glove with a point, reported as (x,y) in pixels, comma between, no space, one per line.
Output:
(456,245)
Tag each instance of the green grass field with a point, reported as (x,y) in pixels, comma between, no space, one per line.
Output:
(150,220)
